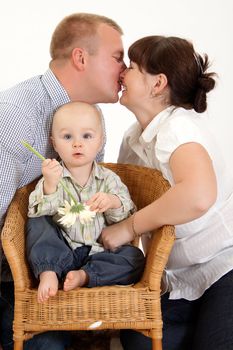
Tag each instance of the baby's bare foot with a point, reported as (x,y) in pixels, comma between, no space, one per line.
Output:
(48,286)
(75,279)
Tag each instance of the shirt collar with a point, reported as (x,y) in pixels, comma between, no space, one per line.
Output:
(54,88)
(154,126)
(65,172)
(97,172)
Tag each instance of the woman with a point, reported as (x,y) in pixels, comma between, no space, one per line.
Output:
(165,87)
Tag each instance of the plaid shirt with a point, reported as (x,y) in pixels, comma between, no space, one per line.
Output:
(101,180)
(26,112)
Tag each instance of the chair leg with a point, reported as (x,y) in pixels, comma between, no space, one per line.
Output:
(18,345)
(157,344)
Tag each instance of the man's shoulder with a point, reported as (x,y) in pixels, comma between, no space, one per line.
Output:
(23,93)
(33,81)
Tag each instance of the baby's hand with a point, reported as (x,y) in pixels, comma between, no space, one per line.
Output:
(101,202)
(52,171)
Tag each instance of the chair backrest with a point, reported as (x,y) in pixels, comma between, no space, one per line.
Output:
(145,185)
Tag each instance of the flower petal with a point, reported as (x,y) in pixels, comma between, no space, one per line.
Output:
(86,215)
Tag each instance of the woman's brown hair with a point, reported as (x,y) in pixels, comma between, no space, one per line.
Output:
(184,68)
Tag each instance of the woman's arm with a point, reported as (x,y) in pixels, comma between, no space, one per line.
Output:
(194,192)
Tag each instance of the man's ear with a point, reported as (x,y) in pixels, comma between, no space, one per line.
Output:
(79,58)
(159,84)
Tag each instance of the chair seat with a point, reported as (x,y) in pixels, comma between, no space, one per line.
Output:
(115,307)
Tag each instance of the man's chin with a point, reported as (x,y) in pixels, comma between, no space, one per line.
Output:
(112,100)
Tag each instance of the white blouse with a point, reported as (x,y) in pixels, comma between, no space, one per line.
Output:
(203,250)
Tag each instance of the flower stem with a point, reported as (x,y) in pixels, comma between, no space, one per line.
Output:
(68,192)
(28,146)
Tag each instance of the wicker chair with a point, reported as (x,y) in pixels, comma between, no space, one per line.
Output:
(132,307)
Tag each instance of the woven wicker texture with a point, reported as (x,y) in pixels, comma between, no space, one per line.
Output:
(135,307)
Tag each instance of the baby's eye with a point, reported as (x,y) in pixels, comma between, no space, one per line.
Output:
(87,136)
(67,136)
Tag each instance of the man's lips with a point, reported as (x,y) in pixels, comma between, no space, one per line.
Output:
(119,87)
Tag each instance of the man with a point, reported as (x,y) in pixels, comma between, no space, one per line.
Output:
(87,59)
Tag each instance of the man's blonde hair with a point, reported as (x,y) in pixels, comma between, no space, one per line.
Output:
(78,30)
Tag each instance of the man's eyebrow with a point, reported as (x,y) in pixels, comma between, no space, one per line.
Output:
(120,53)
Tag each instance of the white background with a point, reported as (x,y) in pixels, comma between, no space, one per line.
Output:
(26,27)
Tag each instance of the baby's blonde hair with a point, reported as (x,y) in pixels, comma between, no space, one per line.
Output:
(79,107)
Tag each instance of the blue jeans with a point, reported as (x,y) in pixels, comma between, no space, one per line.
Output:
(202,324)
(47,249)
(45,341)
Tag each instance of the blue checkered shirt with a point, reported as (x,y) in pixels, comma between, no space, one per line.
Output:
(26,112)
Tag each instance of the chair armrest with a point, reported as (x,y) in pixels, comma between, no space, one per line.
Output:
(13,238)
(160,247)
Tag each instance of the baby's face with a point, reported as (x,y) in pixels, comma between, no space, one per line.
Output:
(77,134)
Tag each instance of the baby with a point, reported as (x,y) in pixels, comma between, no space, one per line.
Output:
(74,253)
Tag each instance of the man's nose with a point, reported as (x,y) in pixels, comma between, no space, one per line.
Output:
(122,74)
(123,66)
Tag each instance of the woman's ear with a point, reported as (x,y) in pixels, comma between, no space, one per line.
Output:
(79,58)
(159,84)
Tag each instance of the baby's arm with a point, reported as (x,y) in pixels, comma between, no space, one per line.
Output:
(46,198)
(100,202)
(52,171)
(114,201)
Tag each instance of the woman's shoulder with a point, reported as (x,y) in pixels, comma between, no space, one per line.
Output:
(182,126)
(182,120)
